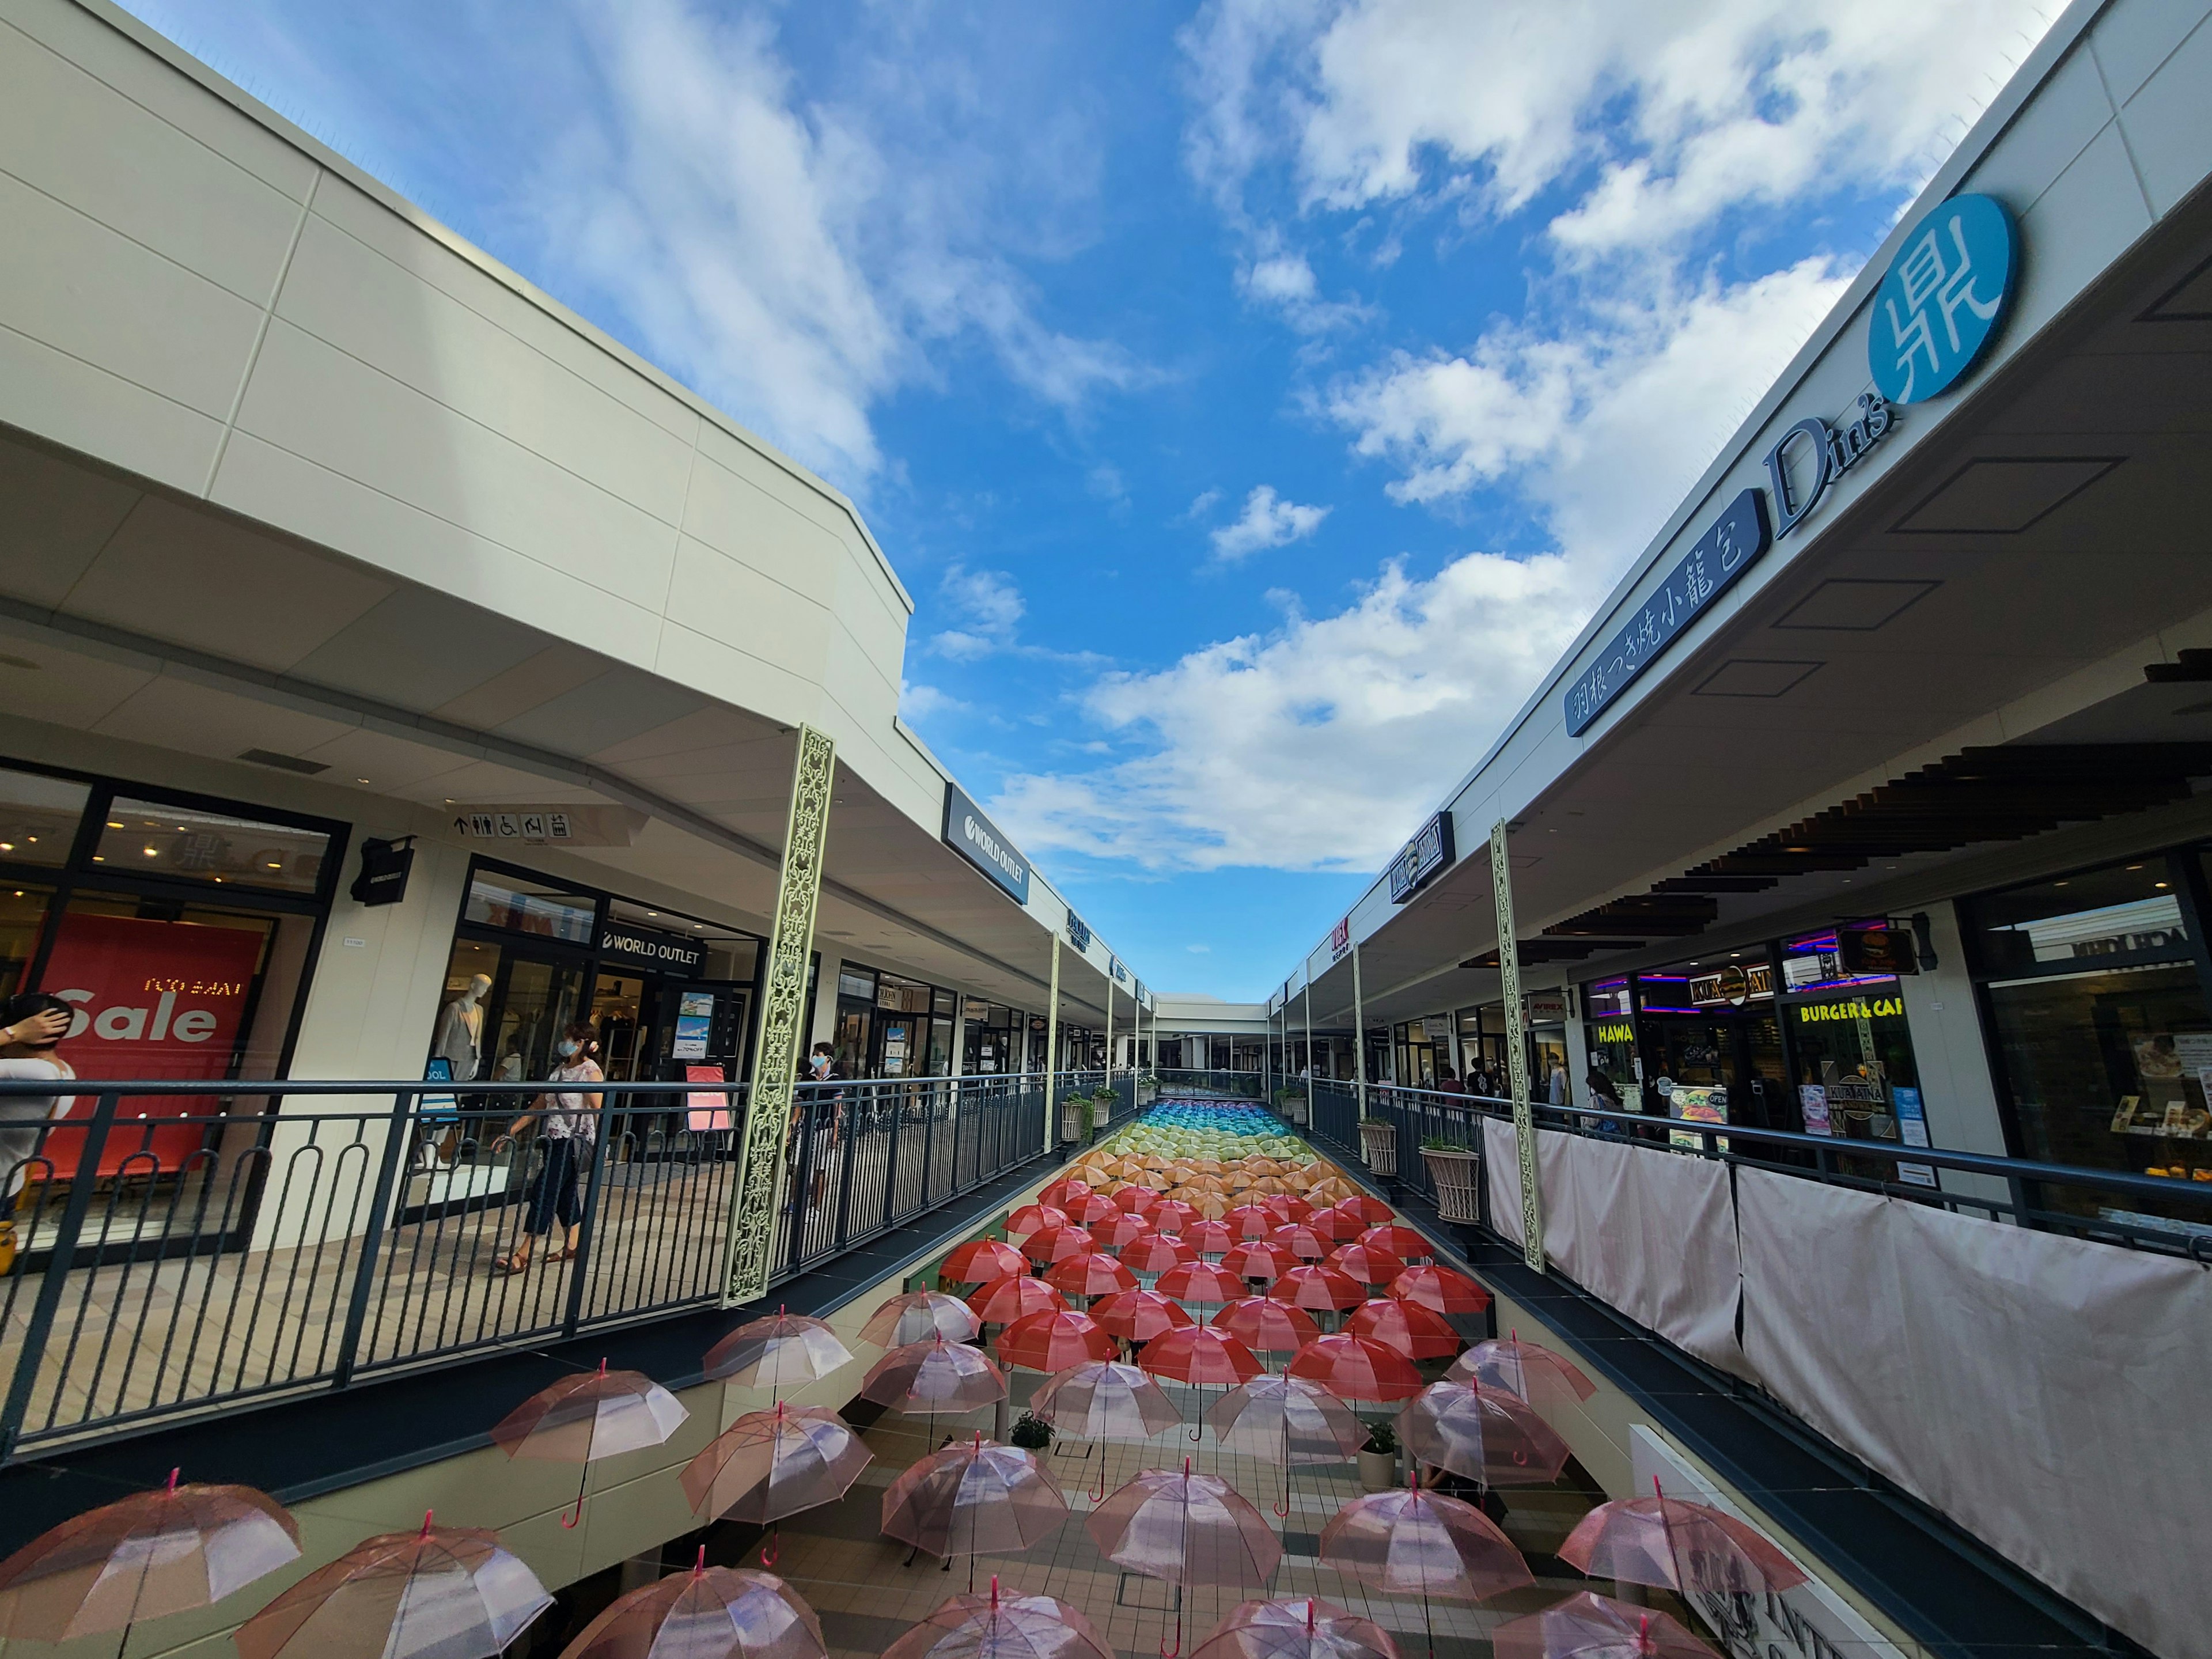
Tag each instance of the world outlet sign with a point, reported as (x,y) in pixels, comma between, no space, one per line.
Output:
(969,832)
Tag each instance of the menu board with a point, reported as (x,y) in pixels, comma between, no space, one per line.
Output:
(695,1019)
(1696,1105)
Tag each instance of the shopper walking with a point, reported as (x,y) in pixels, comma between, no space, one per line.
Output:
(568,1122)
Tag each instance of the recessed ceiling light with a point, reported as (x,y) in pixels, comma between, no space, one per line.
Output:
(360,779)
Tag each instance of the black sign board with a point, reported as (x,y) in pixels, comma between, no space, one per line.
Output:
(1079,932)
(977,839)
(1876,950)
(622,946)
(384,868)
(1421,858)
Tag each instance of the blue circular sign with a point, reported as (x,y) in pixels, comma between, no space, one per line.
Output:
(1944,300)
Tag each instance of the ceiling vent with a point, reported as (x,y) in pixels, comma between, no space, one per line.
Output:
(2000,496)
(306,769)
(1748,677)
(1848,604)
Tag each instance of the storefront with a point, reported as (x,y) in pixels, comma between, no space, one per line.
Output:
(889,1025)
(183,928)
(996,1038)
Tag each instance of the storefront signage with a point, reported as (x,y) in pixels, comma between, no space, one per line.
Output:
(1547,1007)
(1943,302)
(1420,858)
(1436,1027)
(977,839)
(384,868)
(1730,545)
(624,946)
(1808,459)
(549,825)
(1732,985)
(1120,973)
(1079,932)
(1339,941)
(1614,1030)
(1819,1013)
(1877,951)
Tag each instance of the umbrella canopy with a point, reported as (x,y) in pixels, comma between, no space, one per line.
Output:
(1122,1229)
(1485,1434)
(1101,1400)
(1003,1301)
(1262,1259)
(1353,1367)
(1198,1354)
(1139,1315)
(1090,1275)
(782,1348)
(1280,1419)
(1249,1221)
(1398,1240)
(1421,1543)
(1303,1628)
(1058,1192)
(981,1261)
(153,1553)
(1090,1209)
(1265,1326)
(1408,1327)
(1682,1546)
(1035,1218)
(1440,1291)
(441,1593)
(770,1464)
(1201,1281)
(918,1316)
(976,1497)
(1365,1263)
(1371,1210)
(1315,1286)
(1336,1224)
(1587,1627)
(709,1612)
(594,1414)
(1301,1241)
(1137,1200)
(1053,1341)
(1002,1626)
(1208,1237)
(1521,1368)
(1286,1206)
(1172,1215)
(1059,1243)
(1185,1528)
(935,1376)
(1156,1252)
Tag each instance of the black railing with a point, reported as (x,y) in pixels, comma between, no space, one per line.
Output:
(165,1261)
(2020,1190)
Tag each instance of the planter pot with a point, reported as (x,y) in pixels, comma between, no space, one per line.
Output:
(1378,1471)
(1147,1093)
(1071,1119)
(1378,1147)
(1456,1175)
(1101,1114)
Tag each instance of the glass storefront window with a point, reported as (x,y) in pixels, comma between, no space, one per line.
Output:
(2124,913)
(1856,1075)
(38,817)
(857,983)
(22,914)
(148,838)
(1610,1029)
(523,906)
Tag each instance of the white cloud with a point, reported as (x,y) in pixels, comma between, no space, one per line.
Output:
(989,608)
(1203,503)
(920,702)
(1313,747)
(1199,950)
(1266,522)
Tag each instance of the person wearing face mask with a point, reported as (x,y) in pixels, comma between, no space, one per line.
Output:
(568,1123)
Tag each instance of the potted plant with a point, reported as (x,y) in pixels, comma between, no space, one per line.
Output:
(1378,1459)
(1071,1117)
(1454,1170)
(1148,1088)
(1101,1108)
(1378,1145)
(1031,1433)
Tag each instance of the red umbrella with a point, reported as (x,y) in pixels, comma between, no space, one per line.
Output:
(918,1316)
(1059,1243)
(1353,1367)
(1138,1200)
(1090,1275)
(709,1612)
(1304,1628)
(1091,1209)
(591,1415)
(1265,1260)
(1200,1355)
(1200,1281)
(1365,1263)
(1440,1291)
(1684,1547)
(1319,1287)
(1139,1315)
(1336,1224)
(1395,1238)
(153,1553)
(1001,1626)
(1121,1230)
(1172,1215)
(1156,1252)
(770,1464)
(1003,1301)
(1485,1434)
(1249,1221)
(1408,1327)
(1062,1192)
(1265,1326)
(1521,1368)
(1300,1241)
(1286,1206)
(1587,1627)
(1035,1218)
(981,1261)
(1054,1341)
(1207,1238)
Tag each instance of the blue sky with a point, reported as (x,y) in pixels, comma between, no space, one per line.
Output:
(1255,395)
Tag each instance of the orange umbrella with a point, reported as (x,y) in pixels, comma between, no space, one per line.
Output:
(1212,1205)
(1204,1183)
(1052,1341)
(980,1260)
(1157,1181)
(1265,1166)
(1003,1301)
(1097,1274)
(1271,1185)
(1408,1327)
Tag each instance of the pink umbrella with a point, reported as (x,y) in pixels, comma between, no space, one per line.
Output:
(441,1593)
(1303,1628)
(584,1418)
(933,1377)
(709,1612)
(1001,1626)
(1279,1420)
(1682,1546)
(1105,1400)
(1525,1369)
(1412,1542)
(784,1347)
(1003,1301)
(1483,1434)
(1188,1529)
(1587,1627)
(770,1464)
(917,1317)
(974,1498)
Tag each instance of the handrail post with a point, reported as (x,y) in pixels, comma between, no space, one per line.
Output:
(891,1160)
(805,1107)
(846,1133)
(587,1231)
(399,1139)
(58,1261)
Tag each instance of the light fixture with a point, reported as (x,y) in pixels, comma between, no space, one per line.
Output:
(2158,883)
(653,912)
(100,858)
(360,779)
(2135,866)
(153,852)
(114,824)
(7,846)
(2057,884)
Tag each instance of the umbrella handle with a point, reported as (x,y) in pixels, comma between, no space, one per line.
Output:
(1167,1652)
(772,1551)
(573,1516)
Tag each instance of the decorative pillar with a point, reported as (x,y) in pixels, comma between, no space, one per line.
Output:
(1052,1047)
(1309,1053)
(1109,1021)
(1358,1032)
(1516,1050)
(757,1194)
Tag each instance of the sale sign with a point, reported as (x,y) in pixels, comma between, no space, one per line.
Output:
(154,999)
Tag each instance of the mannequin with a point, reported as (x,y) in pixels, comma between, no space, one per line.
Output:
(460,1029)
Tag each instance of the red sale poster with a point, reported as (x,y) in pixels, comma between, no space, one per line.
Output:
(154,999)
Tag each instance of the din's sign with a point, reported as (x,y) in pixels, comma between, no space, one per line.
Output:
(1944,298)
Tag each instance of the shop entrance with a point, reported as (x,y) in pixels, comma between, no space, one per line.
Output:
(1712,1038)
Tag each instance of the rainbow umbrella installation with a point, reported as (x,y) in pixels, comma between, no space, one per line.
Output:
(709,1612)
(582,1418)
(1185,1529)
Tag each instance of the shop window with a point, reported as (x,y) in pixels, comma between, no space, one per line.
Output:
(523,906)
(1856,1076)
(1607,998)
(38,817)
(147,838)
(22,914)
(1610,1029)
(857,983)
(902,996)
(2123,913)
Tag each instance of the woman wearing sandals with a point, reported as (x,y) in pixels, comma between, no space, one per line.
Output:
(568,1123)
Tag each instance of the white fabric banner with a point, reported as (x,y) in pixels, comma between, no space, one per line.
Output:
(1501,1165)
(2043,1392)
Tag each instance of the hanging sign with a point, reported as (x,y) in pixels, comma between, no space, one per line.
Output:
(978,839)
(1943,301)
(1420,860)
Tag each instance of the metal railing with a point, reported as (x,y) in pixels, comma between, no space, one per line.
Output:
(169,1261)
(2020,1190)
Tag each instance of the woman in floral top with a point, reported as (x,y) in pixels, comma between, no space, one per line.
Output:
(569,1122)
